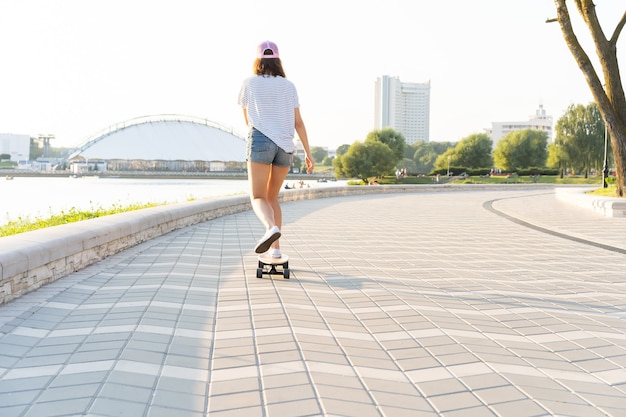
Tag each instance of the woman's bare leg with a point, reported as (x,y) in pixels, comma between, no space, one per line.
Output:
(265,184)
(258,175)
(274,185)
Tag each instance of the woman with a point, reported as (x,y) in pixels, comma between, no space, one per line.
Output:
(271,110)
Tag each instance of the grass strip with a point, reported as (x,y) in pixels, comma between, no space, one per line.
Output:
(27,224)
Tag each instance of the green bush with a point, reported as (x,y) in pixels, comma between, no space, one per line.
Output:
(477,172)
(472,172)
(537,171)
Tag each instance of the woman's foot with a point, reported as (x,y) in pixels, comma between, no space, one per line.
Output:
(275,253)
(266,241)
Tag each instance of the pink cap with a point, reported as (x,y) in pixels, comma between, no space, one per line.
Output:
(264,46)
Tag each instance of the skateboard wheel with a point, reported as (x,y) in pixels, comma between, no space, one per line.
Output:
(259,273)
(286,273)
(286,265)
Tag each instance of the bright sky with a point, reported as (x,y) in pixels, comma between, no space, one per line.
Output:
(72,68)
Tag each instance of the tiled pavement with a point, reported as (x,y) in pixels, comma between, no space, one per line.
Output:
(444,303)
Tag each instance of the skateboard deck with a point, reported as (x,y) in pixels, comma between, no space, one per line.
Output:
(273,266)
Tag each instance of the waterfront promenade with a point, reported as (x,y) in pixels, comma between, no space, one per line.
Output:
(460,303)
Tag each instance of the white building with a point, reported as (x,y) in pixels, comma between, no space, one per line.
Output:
(162,143)
(540,121)
(18,146)
(404,107)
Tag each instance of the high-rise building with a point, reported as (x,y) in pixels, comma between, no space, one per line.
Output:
(540,121)
(16,146)
(405,107)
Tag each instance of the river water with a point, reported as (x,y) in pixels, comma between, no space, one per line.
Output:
(27,197)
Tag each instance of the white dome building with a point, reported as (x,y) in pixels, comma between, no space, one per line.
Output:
(162,143)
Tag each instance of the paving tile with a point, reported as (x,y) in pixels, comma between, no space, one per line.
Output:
(609,402)
(233,361)
(295,408)
(132,379)
(183,402)
(294,393)
(186,361)
(499,394)
(279,357)
(571,409)
(125,392)
(101,345)
(77,379)
(59,408)
(336,380)
(13,411)
(18,398)
(418,363)
(158,411)
(251,384)
(116,407)
(20,343)
(442,386)
(455,401)
(7,362)
(66,392)
(233,401)
(476,382)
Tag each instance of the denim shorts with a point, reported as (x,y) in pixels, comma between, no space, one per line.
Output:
(262,149)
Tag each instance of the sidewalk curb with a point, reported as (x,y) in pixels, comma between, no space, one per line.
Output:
(607,206)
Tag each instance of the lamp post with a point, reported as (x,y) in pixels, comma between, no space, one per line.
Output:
(605,170)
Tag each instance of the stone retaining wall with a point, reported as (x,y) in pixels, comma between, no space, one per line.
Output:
(30,260)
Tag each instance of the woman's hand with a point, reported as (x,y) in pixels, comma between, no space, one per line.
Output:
(310,163)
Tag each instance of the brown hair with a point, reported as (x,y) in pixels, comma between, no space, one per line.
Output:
(269,66)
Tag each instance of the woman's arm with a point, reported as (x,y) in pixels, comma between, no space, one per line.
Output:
(245,115)
(304,139)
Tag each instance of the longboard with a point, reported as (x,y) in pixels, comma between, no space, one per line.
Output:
(273,266)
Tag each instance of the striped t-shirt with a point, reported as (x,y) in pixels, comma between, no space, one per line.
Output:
(270,103)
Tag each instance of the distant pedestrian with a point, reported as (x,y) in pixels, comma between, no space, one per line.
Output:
(271,109)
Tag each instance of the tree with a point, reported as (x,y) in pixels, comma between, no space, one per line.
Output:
(36,151)
(318,153)
(521,149)
(365,160)
(473,151)
(424,157)
(424,154)
(296,163)
(609,97)
(4,156)
(390,137)
(408,164)
(557,156)
(580,138)
(342,149)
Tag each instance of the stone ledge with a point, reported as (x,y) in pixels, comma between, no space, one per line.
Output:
(607,206)
(33,259)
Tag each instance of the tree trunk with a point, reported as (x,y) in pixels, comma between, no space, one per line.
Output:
(612,102)
(618,142)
